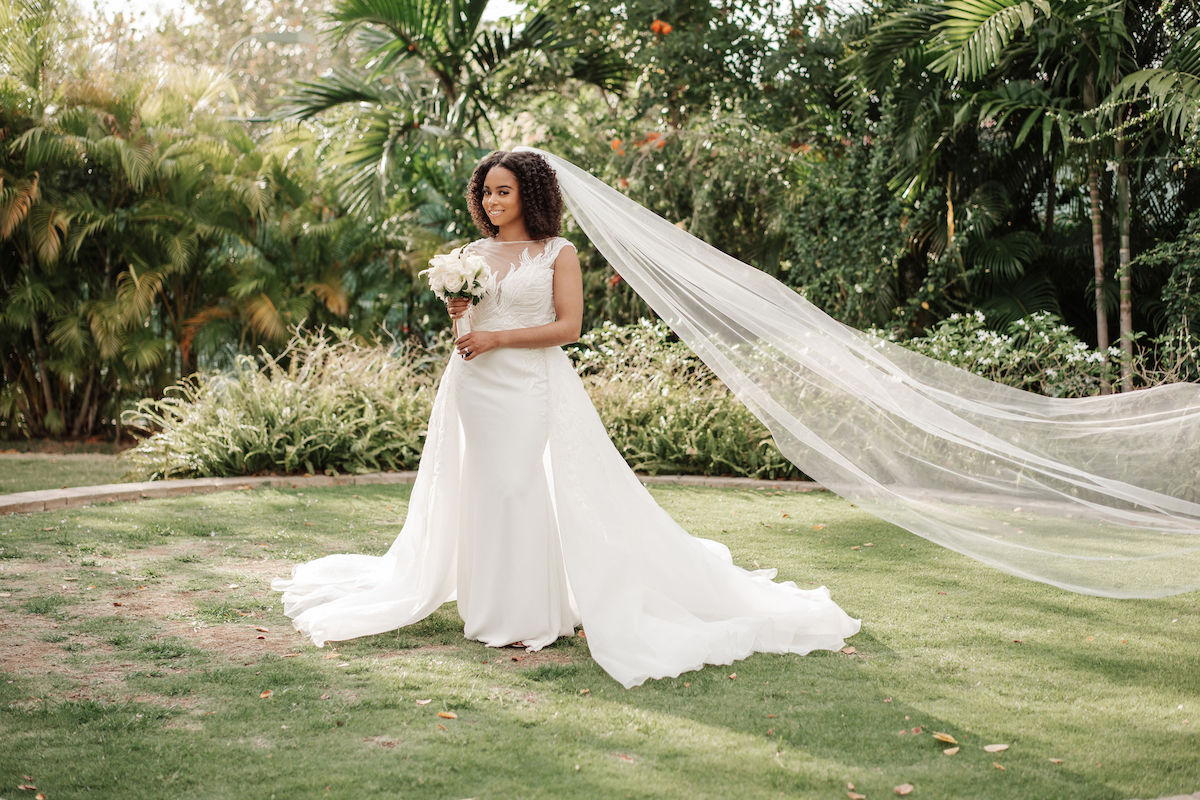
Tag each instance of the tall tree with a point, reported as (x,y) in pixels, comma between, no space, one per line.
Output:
(435,69)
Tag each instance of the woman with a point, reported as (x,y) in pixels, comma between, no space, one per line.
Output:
(524,511)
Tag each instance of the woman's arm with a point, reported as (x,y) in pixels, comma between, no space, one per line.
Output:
(568,308)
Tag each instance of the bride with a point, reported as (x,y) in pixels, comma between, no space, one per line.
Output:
(525,513)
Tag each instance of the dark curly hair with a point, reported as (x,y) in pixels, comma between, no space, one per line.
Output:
(537,187)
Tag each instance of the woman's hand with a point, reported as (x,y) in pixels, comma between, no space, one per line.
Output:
(457,306)
(477,343)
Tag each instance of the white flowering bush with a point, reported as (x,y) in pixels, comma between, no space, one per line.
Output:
(1037,353)
(666,412)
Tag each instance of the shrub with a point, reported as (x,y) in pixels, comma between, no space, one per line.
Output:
(666,412)
(333,405)
(326,404)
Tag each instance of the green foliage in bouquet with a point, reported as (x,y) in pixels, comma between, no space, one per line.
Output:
(326,404)
(666,412)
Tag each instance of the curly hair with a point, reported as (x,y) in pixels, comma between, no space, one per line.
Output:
(537,187)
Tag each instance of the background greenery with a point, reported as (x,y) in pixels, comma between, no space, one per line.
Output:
(172,198)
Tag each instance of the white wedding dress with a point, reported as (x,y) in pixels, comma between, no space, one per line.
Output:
(526,514)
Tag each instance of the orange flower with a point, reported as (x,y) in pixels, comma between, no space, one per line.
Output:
(616,144)
(657,26)
(661,143)
(614,280)
(623,183)
(666,28)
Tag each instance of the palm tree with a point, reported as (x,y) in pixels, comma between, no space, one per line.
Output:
(1059,69)
(435,70)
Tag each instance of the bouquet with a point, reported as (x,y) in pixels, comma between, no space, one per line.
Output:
(456,274)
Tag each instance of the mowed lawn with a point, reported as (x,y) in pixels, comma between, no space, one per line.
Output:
(145,656)
(24,472)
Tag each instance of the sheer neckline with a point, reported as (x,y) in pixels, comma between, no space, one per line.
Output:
(517,255)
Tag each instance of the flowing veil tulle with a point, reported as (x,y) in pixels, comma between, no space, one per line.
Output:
(1099,495)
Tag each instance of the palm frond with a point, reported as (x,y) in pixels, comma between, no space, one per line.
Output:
(1174,88)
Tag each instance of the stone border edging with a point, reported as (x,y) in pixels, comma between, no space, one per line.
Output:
(77,497)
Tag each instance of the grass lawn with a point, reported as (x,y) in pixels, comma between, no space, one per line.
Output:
(24,473)
(144,656)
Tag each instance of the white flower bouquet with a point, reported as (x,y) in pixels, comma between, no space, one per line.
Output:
(457,274)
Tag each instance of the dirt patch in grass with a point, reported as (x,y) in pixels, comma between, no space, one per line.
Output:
(153,620)
(95,625)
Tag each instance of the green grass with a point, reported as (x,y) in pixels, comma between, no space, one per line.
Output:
(19,474)
(144,678)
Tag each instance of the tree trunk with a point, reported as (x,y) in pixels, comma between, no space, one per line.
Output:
(1051,201)
(81,417)
(42,376)
(1089,101)
(1123,259)
(1098,267)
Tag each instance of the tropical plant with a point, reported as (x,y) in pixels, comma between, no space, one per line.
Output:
(428,80)
(326,403)
(1032,71)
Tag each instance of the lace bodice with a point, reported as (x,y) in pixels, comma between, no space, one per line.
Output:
(522,277)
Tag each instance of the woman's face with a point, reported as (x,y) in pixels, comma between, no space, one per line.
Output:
(501,196)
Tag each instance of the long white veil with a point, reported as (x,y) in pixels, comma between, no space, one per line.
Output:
(1099,495)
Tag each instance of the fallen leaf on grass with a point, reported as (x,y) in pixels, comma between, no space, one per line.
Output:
(261,629)
(995,748)
(40,795)
(733,676)
(447,715)
(26,787)
(849,650)
(266,693)
(818,527)
(949,751)
(904,788)
(856,796)
(440,725)
(585,691)
(325,696)
(997,765)
(424,702)
(917,730)
(1056,761)
(945,737)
